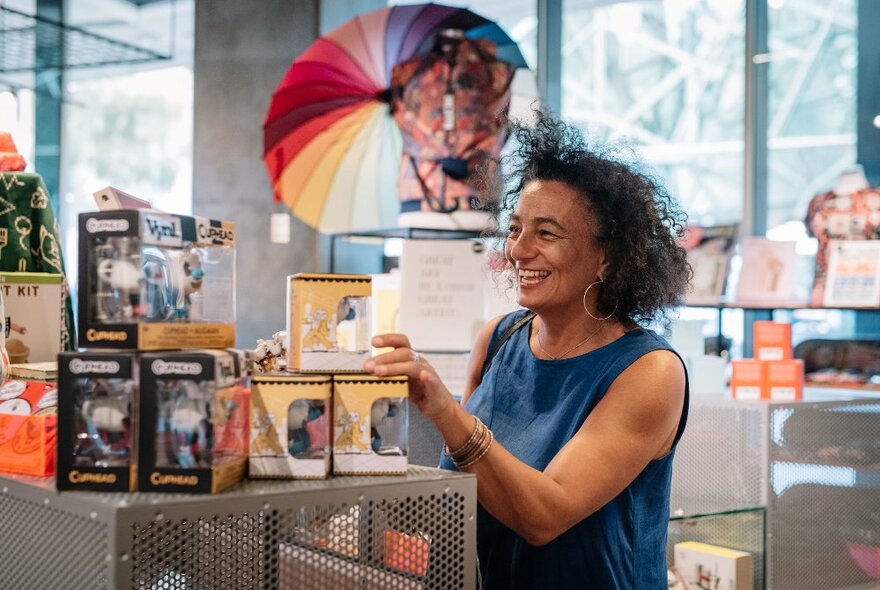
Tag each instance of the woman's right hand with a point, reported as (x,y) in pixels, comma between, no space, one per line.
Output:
(426,390)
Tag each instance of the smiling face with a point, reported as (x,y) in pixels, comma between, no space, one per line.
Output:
(552,246)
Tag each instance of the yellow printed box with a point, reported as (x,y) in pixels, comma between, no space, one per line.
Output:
(370,417)
(328,322)
(290,426)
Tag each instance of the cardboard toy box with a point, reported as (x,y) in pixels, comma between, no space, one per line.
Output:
(709,566)
(193,431)
(34,309)
(155,281)
(370,417)
(97,430)
(328,323)
(747,379)
(785,380)
(28,427)
(771,340)
(290,426)
(781,381)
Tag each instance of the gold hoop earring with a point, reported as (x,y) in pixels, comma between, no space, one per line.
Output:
(588,311)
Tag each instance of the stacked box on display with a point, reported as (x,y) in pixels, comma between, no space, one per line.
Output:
(193,421)
(97,421)
(150,280)
(34,305)
(773,374)
(328,323)
(28,427)
(370,417)
(290,426)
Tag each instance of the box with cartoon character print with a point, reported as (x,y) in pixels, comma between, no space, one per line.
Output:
(328,322)
(370,418)
(290,426)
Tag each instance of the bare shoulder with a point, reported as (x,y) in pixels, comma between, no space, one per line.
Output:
(659,373)
(648,396)
(478,356)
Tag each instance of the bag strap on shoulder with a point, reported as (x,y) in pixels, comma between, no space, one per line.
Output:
(504,338)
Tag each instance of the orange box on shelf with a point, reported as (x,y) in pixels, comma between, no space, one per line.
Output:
(785,380)
(771,340)
(28,427)
(747,380)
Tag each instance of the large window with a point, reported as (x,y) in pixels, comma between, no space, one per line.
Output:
(811,133)
(666,78)
(129,127)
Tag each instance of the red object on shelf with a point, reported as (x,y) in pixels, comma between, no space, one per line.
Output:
(867,557)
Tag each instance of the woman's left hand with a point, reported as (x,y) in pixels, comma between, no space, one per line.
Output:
(426,391)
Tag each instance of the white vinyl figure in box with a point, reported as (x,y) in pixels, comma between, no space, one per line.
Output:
(163,287)
(189,423)
(106,417)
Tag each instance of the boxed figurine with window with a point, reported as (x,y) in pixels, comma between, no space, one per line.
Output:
(328,323)
(193,421)
(290,426)
(150,280)
(370,425)
(97,425)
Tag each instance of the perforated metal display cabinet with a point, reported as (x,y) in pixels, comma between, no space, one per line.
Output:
(410,532)
(815,467)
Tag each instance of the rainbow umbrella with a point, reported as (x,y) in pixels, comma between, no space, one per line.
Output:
(330,145)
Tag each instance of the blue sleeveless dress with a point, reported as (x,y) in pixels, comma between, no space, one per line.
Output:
(534,407)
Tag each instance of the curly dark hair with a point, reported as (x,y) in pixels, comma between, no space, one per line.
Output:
(639,222)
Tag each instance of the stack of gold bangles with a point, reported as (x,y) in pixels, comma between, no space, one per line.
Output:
(475,448)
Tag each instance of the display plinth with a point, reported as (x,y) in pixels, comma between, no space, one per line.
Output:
(412,531)
(814,465)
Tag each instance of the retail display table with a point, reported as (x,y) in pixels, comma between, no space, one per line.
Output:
(410,532)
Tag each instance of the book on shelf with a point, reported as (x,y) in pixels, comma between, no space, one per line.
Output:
(767,275)
(46,371)
(709,250)
(853,276)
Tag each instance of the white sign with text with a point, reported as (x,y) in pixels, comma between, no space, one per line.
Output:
(442,291)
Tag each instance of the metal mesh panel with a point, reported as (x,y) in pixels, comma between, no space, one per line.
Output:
(42,547)
(824,502)
(743,531)
(720,461)
(219,552)
(406,543)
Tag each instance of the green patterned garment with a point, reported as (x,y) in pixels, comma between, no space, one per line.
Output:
(29,239)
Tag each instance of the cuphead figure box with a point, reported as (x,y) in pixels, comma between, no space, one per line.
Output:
(290,426)
(97,426)
(328,322)
(370,432)
(193,421)
(150,280)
